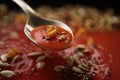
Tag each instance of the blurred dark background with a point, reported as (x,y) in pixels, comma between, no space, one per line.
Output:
(100,4)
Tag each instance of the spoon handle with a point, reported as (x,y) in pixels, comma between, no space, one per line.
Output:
(25,7)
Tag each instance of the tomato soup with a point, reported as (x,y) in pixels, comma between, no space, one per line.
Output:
(98,52)
(52,37)
(94,54)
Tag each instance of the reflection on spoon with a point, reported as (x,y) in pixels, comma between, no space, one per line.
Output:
(36,23)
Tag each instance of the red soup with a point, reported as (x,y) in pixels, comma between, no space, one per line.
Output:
(94,54)
(52,37)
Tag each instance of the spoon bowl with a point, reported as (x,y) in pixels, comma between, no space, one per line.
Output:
(34,20)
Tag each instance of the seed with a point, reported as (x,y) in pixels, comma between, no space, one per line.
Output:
(4,57)
(70,61)
(80,54)
(7,73)
(86,50)
(81,47)
(32,54)
(85,65)
(76,58)
(76,69)
(62,37)
(40,58)
(16,58)
(59,68)
(4,64)
(83,68)
(40,65)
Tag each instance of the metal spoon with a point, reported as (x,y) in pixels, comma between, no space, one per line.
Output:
(34,20)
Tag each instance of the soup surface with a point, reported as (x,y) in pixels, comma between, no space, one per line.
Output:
(50,36)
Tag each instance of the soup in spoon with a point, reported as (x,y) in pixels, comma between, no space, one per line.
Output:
(52,37)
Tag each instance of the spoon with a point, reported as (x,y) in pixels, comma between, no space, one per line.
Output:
(34,20)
